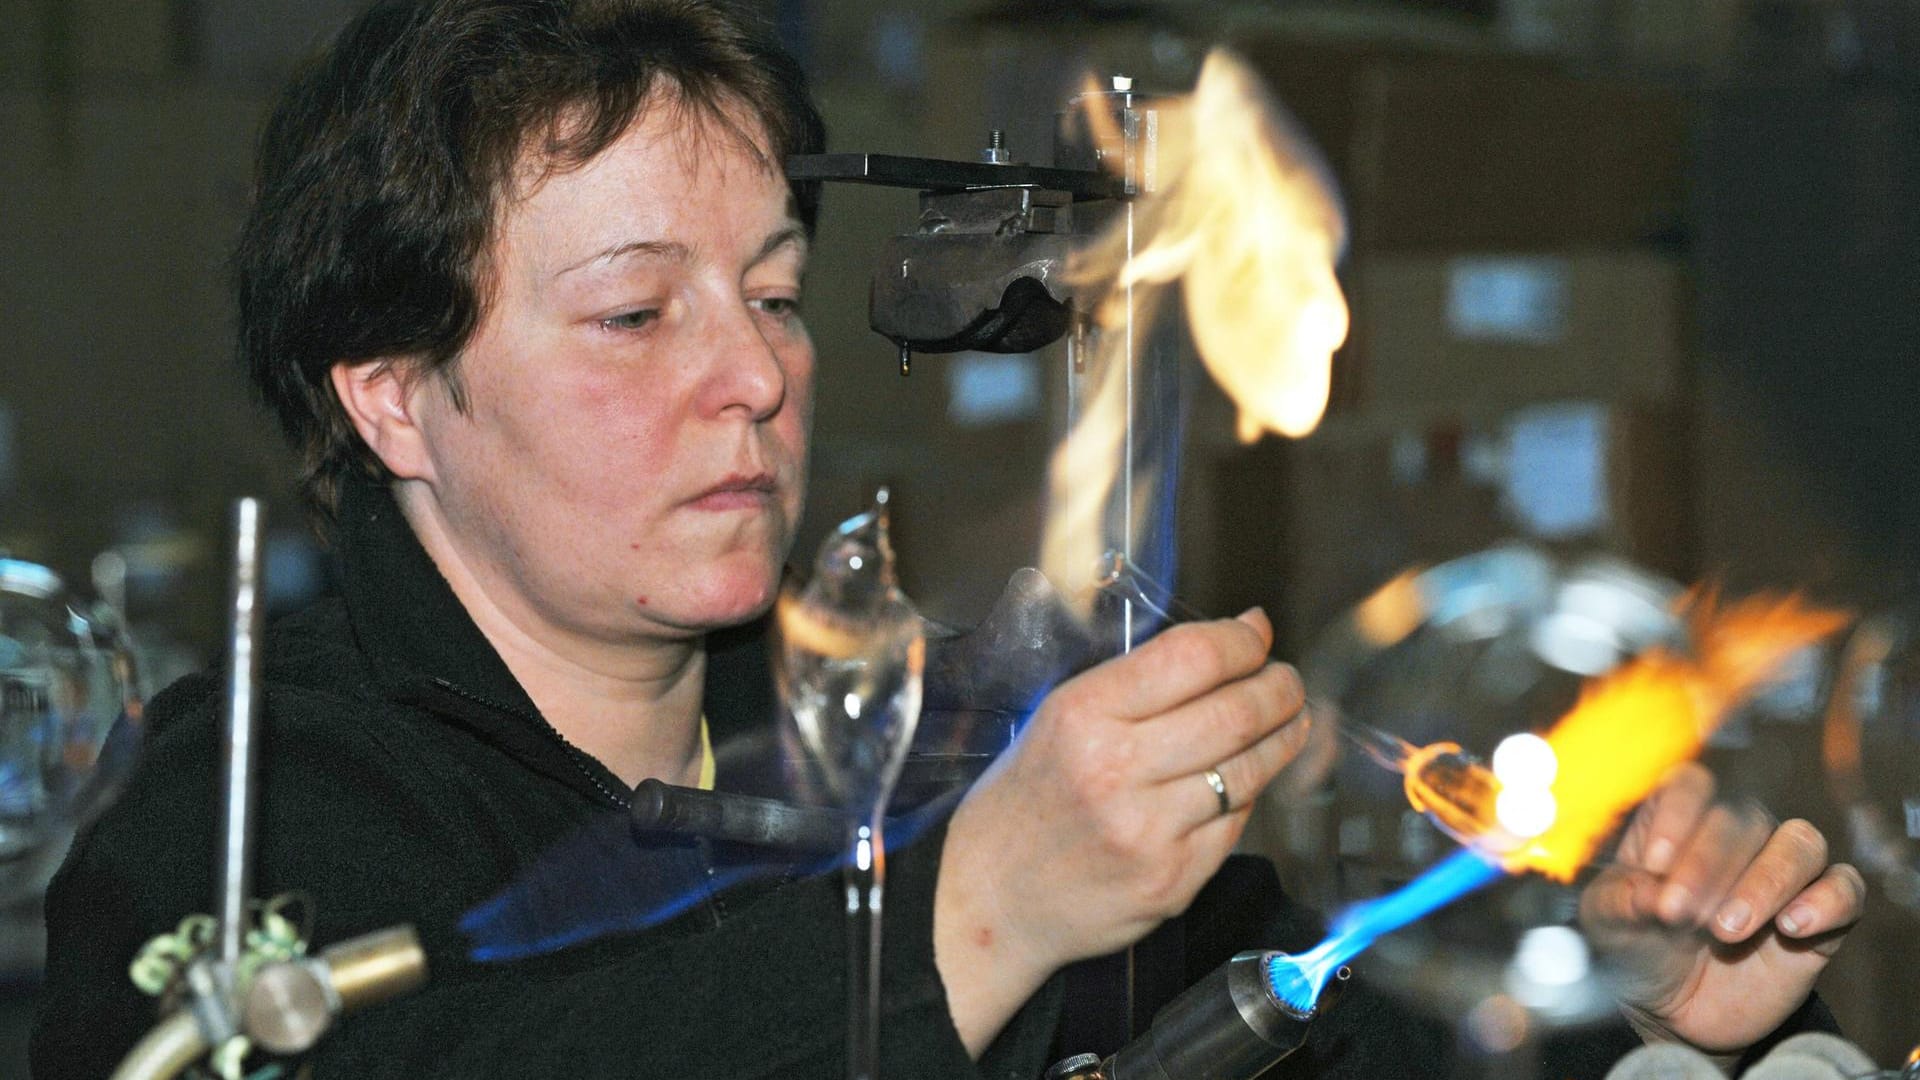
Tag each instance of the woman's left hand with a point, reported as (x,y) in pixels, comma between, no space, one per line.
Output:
(1719,919)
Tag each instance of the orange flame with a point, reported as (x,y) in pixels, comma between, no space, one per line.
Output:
(1627,732)
(1632,727)
(1239,213)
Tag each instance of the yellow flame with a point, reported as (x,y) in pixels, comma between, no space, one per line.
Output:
(1240,216)
(1244,219)
(1259,234)
(1457,794)
(1632,727)
(1626,733)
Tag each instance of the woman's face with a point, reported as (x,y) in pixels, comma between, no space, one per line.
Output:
(632,458)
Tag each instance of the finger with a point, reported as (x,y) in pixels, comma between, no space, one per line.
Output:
(1318,754)
(1214,839)
(1727,840)
(1218,725)
(1792,859)
(1248,773)
(1242,777)
(1668,818)
(1832,903)
(1181,664)
(1620,896)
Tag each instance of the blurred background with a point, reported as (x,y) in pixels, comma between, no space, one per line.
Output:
(1627,276)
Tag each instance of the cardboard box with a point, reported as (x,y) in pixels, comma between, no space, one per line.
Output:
(1467,334)
(1483,150)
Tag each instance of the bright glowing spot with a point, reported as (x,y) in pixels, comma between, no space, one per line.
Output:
(1551,956)
(1525,812)
(856,562)
(1549,962)
(1525,760)
(851,706)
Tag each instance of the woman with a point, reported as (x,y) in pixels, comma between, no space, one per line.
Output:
(522,281)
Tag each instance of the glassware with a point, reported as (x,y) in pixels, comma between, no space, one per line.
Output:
(1870,745)
(1438,667)
(852,653)
(69,720)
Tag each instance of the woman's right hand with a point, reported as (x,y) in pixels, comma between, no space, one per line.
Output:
(1101,821)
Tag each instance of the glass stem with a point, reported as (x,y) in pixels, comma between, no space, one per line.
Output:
(865,875)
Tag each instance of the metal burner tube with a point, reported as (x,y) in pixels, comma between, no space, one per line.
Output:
(1227,1026)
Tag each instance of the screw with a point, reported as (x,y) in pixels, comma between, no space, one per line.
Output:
(996,151)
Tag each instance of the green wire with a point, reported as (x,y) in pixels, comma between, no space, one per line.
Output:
(161,963)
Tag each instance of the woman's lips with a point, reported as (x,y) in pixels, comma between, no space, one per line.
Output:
(738,492)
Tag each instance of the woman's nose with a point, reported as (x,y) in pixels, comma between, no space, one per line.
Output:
(747,371)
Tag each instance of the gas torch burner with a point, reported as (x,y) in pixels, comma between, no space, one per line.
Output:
(1231,1025)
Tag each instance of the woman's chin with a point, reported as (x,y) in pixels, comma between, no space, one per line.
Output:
(727,597)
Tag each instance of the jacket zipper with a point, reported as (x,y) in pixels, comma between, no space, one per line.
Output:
(716,907)
(575,755)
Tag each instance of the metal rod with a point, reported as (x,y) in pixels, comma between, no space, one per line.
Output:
(235,885)
(1133,360)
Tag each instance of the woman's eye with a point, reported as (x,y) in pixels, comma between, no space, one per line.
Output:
(779,305)
(630,320)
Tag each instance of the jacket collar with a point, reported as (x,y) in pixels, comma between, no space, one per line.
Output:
(404,613)
(426,650)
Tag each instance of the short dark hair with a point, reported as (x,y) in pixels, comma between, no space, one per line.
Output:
(381,170)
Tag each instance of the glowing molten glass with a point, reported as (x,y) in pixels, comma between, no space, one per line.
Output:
(1471,803)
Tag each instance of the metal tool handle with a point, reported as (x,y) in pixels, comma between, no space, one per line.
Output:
(742,819)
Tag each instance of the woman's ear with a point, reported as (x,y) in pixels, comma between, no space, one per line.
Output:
(381,399)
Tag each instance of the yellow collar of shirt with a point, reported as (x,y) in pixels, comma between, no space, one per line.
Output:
(708,767)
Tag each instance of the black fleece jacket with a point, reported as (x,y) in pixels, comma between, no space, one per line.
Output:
(406,776)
